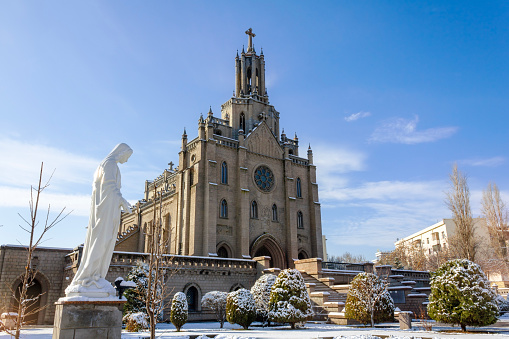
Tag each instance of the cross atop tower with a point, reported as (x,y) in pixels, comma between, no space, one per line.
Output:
(251,35)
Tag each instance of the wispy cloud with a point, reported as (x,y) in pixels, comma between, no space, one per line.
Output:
(357,116)
(487,162)
(338,160)
(404,131)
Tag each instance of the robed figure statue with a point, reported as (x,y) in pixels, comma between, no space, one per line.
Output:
(102,231)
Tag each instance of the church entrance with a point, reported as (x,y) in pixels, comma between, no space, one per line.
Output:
(33,292)
(266,245)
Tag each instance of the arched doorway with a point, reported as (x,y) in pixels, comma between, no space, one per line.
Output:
(223,250)
(34,295)
(303,255)
(267,245)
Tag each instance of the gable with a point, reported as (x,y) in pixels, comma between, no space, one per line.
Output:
(262,141)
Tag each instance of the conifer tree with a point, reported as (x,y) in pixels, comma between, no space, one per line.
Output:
(368,300)
(136,296)
(179,307)
(240,308)
(461,294)
(261,294)
(289,299)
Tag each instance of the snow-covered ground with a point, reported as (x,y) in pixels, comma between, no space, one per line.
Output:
(311,330)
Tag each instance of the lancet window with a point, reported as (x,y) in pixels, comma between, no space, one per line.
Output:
(223,212)
(224,173)
(300,220)
(254,210)
(299,188)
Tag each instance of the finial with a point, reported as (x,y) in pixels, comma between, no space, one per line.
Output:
(210,110)
(201,118)
(309,148)
(283,131)
(251,35)
(237,53)
(184,132)
(243,50)
(261,51)
(295,137)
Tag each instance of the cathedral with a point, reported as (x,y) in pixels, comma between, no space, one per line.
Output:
(240,189)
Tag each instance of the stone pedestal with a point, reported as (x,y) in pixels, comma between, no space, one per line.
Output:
(405,320)
(88,319)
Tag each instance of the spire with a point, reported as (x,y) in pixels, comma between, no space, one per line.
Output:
(295,137)
(210,111)
(237,54)
(243,50)
(309,148)
(261,51)
(185,134)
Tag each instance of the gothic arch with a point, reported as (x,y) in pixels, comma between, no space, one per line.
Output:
(223,247)
(193,296)
(267,245)
(44,284)
(236,287)
(303,254)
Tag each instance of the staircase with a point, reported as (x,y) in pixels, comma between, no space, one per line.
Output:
(325,296)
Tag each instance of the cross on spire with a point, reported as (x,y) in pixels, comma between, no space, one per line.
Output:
(251,35)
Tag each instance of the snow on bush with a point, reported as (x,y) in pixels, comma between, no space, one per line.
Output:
(461,294)
(136,296)
(261,294)
(289,300)
(216,301)
(502,303)
(368,300)
(178,314)
(240,308)
(135,322)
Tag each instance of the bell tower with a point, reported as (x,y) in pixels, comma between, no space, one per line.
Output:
(250,104)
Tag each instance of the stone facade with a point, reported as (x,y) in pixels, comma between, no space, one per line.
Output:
(240,189)
(50,279)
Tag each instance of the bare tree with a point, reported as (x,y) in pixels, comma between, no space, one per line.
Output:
(494,210)
(463,243)
(27,305)
(157,291)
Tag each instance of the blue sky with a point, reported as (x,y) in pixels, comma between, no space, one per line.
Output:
(390,94)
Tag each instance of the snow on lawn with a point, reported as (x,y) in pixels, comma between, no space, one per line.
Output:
(206,330)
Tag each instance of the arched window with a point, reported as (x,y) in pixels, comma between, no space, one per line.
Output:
(274,212)
(222,252)
(192,298)
(223,212)
(224,173)
(242,124)
(254,210)
(299,188)
(300,220)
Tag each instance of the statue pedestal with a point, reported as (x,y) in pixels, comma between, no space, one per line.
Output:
(88,319)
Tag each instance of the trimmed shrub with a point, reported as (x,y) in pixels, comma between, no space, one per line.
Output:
(178,314)
(135,322)
(289,300)
(461,294)
(216,301)
(368,300)
(240,308)
(261,294)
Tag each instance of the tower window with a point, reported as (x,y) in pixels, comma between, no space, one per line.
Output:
(300,220)
(191,177)
(274,212)
(224,173)
(223,212)
(299,188)
(242,124)
(254,210)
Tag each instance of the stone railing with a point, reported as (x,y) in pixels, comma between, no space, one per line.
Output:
(298,160)
(342,266)
(192,144)
(224,141)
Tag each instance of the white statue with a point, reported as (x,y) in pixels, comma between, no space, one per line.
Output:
(102,230)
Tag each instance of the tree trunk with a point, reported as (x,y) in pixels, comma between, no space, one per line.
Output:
(373,317)
(463,327)
(292,325)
